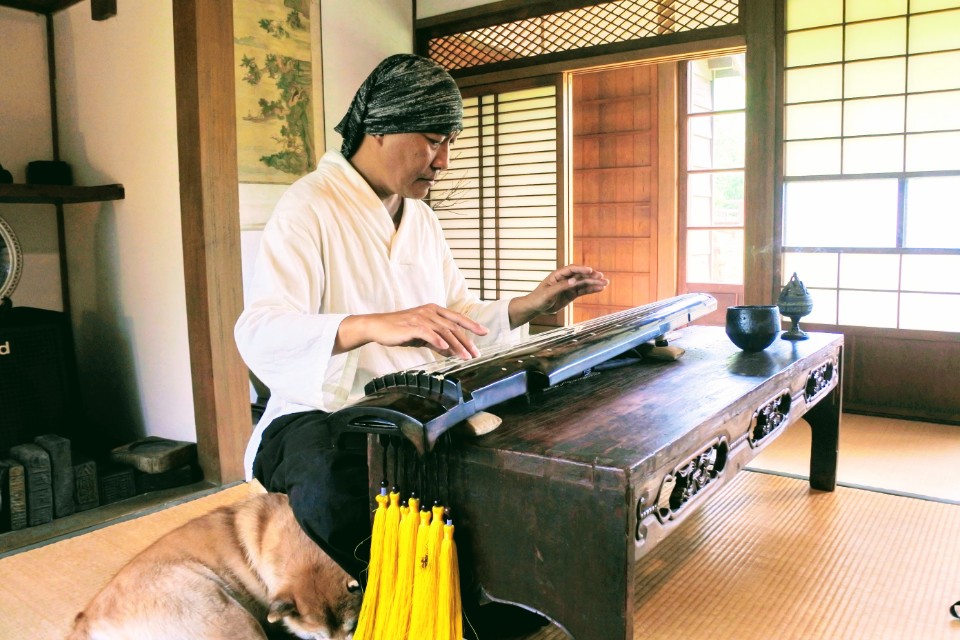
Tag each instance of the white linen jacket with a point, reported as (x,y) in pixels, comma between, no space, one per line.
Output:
(328,251)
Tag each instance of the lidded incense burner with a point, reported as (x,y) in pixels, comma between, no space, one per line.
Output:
(795,302)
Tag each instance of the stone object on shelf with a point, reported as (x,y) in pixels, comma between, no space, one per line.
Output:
(179,477)
(36,467)
(116,482)
(13,496)
(86,494)
(61,470)
(154,454)
(753,327)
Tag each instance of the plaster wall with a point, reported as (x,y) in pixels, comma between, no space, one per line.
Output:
(116,102)
(117,119)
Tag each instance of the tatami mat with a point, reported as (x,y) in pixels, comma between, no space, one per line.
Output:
(766,558)
(44,588)
(900,456)
(769,558)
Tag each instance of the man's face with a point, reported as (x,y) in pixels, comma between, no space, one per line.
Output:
(413,161)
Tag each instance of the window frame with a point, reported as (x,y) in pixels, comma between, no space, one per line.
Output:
(683,174)
(781,248)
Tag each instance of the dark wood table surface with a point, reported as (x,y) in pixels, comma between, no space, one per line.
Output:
(556,507)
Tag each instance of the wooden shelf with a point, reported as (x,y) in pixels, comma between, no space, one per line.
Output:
(58,194)
(99,9)
(16,541)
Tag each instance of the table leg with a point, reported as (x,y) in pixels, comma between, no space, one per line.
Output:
(824,419)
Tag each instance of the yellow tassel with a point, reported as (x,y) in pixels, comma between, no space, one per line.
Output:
(436,530)
(449,608)
(424,613)
(399,626)
(436,539)
(388,570)
(368,610)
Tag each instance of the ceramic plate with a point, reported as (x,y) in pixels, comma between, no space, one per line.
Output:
(11,260)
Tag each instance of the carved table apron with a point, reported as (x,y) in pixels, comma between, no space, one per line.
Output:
(556,507)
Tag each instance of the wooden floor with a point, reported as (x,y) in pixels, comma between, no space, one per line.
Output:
(910,459)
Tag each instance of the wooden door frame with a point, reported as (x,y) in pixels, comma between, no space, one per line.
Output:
(762,24)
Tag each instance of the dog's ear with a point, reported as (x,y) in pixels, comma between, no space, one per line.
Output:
(282,607)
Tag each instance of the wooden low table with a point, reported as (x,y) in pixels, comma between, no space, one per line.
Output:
(556,507)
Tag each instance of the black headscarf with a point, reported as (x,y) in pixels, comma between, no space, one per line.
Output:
(406,93)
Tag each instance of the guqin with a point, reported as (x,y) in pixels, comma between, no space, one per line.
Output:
(423,404)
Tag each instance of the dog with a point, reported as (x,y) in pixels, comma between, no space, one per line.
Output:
(236,573)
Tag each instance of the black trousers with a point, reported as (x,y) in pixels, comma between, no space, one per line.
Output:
(326,481)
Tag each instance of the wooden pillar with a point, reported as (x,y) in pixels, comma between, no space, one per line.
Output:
(761,187)
(209,203)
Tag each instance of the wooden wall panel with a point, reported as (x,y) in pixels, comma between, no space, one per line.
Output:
(615,180)
(900,373)
(586,152)
(626,185)
(727,296)
(624,219)
(667,218)
(629,149)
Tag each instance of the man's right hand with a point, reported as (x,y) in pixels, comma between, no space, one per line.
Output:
(446,332)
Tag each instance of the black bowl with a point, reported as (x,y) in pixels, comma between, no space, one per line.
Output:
(753,327)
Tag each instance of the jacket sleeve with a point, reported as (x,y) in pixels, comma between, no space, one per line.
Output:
(280,334)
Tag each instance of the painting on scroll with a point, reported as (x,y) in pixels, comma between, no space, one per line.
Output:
(278,89)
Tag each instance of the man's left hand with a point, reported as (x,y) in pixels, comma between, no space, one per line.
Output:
(557,290)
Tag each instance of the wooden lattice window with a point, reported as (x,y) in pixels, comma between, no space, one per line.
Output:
(498,202)
(599,24)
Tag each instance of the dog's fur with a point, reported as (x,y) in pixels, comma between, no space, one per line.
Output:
(227,575)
